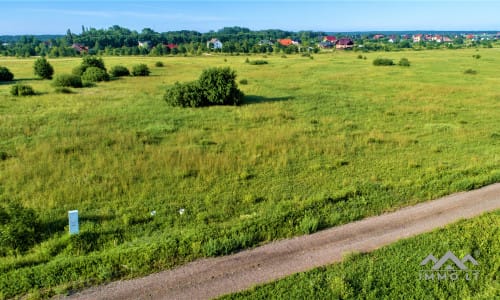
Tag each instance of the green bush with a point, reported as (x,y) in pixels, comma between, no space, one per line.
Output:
(5,74)
(244,81)
(67,80)
(220,86)
(87,62)
(383,62)
(470,72)
(94,74)
(22,90)
(258,62)
(18,227)
(140,70)
(119,71)
(188,94)
(43,69)
(63,90)
(216,86)
(404,62)
(159,64)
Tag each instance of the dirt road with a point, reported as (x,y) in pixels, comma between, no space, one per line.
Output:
(208,278)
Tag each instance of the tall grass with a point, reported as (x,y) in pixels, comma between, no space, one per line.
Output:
(318,143)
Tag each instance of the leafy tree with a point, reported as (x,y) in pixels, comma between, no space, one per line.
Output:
(6,74)
(220,86)
(43,68)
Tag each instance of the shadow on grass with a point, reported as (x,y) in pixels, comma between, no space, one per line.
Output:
(253,99)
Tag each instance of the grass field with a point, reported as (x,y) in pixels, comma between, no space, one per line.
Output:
(394,272)
(319,142)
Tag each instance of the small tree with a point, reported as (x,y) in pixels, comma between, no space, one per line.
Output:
(87,62)
(220,86)
(43,68)
(22,90)
(404,62)
(5,74)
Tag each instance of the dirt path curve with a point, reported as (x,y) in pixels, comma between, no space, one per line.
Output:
(212,277)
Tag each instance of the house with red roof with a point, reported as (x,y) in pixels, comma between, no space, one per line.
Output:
(285,42)
(345,43)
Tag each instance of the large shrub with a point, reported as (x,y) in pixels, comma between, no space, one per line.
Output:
(18,227)
(220,86)
(383,62)
(118,71)
(188,94)
(43,69)
(94,74)
(87,62)
(22,90)
(140,70)
(67,80)
(216,86)
(5,74)
(404,62)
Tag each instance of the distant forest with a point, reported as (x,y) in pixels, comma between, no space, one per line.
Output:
(117,40)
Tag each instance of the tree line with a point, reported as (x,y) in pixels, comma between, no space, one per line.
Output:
(118,40)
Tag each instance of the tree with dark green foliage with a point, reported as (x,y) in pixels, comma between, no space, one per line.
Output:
(140,70)
(43,68)
(6,74)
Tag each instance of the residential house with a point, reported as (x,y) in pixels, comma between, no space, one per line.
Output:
(378,37)
(330,38)
(345,43)
(171,46)
(80,48)
(214,44)
(447,39)
(417,38)
(285,42)
(145,44)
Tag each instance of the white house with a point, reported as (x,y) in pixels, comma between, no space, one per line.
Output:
(215,44)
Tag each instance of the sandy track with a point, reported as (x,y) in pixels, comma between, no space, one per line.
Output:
(212,277)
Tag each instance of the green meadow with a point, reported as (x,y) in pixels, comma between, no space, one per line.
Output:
(318,142)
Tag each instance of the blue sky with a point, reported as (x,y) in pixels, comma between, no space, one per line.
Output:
(55,17)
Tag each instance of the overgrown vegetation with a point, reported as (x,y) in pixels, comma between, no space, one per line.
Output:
(88,62)
(393,272)
(383,62)
(6,74)
(22,90)
(404,62)
(94,74)
(215,86)
(119,71)
(67,80)
(140,70)
(320,143)
(18,226)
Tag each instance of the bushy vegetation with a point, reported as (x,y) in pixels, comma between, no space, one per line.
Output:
(43,69)
(159,64)
(258,62)
(87,62)
(67,80)
(470,72)
(17,228)
(393,272)
(22,90)
(6,74)
(94,74)
(404,62)
(140,70)
(119,71)
(215,86)
(383,62)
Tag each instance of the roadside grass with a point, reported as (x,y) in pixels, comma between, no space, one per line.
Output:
(394,271)
(318,143)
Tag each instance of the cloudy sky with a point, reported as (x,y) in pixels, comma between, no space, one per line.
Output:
(55,17)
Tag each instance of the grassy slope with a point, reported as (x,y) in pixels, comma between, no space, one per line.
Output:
(393,272)
(321,142)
